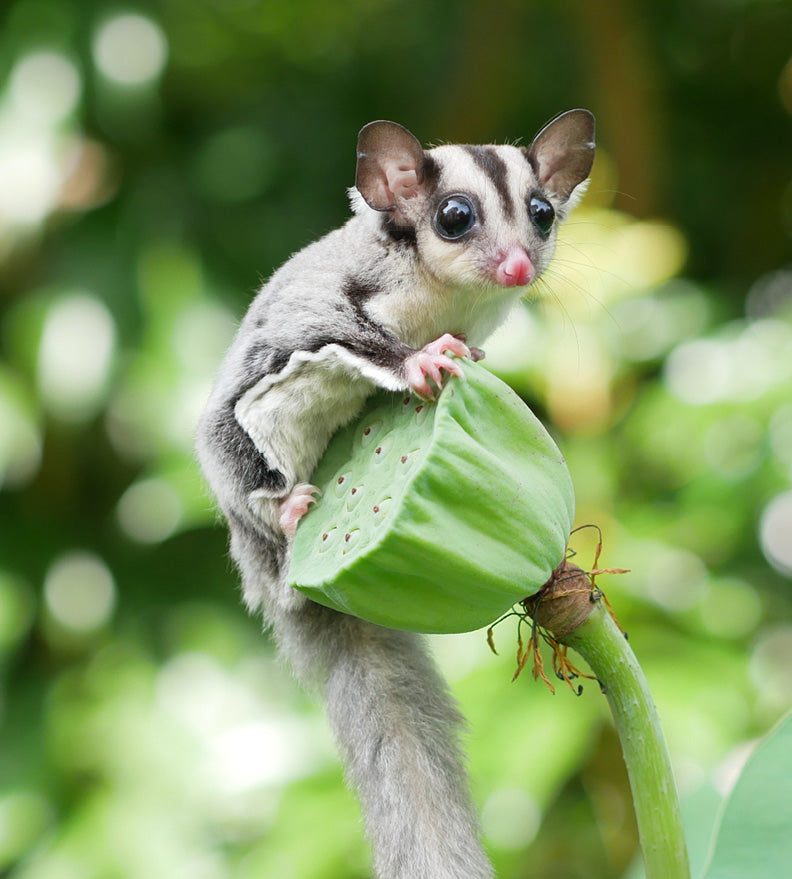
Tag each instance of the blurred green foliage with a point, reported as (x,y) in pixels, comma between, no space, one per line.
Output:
(157,159)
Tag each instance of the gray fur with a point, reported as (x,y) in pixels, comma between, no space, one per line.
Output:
(342,317)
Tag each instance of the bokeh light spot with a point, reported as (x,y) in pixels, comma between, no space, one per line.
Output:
(780,430)
(676,578)
(510,818)
(45,86)
(79,591)
(733,445)
(20,436)
(30,179)
(130,49)
(649,252)
(201,335)
(75,356)
(247,744)
(149,511)
(699,372)
(730,608)
(775,532)
(648,326)
(771,667)
(741,364)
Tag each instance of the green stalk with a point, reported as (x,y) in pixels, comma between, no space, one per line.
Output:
(604,647)
(572,611)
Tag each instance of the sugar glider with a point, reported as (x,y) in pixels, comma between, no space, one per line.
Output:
(441,244)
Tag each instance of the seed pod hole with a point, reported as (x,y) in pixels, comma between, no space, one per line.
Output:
(408,460)
(354,497)
(327,540)
(369,433)
(351,538)
(341,485)
(380,510)
(422,411)
(382,449)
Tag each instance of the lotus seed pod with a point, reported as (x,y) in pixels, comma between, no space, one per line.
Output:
(436,516)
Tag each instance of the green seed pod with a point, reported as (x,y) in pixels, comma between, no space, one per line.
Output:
(436,516)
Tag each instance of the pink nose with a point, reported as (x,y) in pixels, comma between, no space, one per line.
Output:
(515,269)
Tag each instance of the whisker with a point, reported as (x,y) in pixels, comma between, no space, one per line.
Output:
(607,273)
(584,292)
(568,319)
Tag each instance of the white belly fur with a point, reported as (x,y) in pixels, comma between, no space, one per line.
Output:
(291,415)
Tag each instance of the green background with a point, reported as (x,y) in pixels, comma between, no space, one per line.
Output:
(157,160)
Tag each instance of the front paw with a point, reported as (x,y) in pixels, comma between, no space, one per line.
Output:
(430,361)
(295,506)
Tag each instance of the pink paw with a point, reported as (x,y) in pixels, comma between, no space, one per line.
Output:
(431,360)
(295,506)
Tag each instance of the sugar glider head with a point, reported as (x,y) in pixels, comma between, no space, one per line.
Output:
(478,215)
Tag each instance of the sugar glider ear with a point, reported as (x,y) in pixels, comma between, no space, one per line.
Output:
(389,164)
(563,152)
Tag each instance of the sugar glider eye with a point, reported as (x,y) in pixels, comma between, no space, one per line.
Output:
(542,214)
(455,216)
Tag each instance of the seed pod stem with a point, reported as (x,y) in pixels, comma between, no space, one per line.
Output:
(568,599)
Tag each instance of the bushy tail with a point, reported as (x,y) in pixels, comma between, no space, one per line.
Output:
(398,730)
(394,720)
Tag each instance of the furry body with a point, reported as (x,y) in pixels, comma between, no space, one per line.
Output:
(370,305)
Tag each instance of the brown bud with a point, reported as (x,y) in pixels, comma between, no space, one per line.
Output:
(564,602)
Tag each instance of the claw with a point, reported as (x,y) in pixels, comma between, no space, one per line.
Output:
(450,365)
(447,342)
(431,360)
(433,371)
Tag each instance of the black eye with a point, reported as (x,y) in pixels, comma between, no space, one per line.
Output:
(455,216)
(542,214)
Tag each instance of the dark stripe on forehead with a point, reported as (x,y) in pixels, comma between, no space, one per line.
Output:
(495,168)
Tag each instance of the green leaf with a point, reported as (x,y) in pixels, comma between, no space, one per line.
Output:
(436,517)
(754,837)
